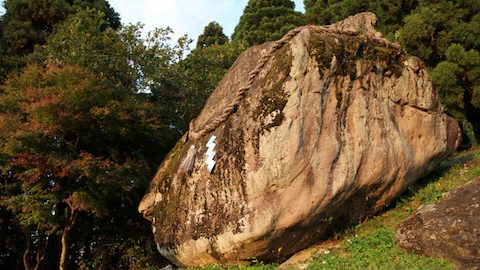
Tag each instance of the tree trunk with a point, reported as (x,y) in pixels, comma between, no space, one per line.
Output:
(41,253)
(64,255)
(26,253)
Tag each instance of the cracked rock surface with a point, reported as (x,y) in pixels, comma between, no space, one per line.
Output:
(338,123)
(448,229)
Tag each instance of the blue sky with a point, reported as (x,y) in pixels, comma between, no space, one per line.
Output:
(184,16)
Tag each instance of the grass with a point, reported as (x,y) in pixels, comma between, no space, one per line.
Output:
(375,250)
(371,245)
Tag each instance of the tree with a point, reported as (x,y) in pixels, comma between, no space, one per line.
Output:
(445,35)
(212,35)
(3,62)
(458,82)
(389,12)
(75,149)
(141,65)
(200,73)
(82,130)
(28,23)
(266,20)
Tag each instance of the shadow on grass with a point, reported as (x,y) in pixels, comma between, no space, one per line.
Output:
(438,173)
(442,169)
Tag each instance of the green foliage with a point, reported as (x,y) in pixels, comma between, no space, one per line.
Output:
(28,23)
(141,65)
(446,75)
(442,33)
(389,12)
(373,251)
(212,35)
(201,71)
(467,128)
(83,128)
(266,20)
(95,107)
(433,27)
(458,83)
(445,35)
(81,40)
(77,145)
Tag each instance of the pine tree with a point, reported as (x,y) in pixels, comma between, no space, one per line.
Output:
(212,35)
(266,20)
(445,35)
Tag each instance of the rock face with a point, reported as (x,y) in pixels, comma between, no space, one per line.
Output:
(306,134)
(449,229)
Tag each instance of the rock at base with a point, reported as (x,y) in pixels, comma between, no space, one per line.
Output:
(448,229)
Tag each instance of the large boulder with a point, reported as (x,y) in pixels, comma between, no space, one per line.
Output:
(448,229)
(315,131)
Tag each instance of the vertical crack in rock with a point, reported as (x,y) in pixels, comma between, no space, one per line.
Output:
(332,123)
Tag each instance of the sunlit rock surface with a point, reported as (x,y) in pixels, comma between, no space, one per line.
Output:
(337,123)
(448,229)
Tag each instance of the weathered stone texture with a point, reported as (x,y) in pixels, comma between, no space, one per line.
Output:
(337,123)
(448,229)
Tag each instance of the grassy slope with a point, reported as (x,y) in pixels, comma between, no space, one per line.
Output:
(371,245)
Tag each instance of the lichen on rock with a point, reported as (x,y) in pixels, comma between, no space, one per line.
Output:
(332,123)
(448,229)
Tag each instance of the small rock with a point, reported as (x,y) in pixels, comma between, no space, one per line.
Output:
(441,232)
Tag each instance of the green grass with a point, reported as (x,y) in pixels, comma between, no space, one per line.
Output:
(255,266)
(371,245)
(375,250)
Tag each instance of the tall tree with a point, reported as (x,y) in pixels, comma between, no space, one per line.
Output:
(3,55)
(212,35)
(445,35)
(73,153)
(266,20)
(82,131)
(27,23)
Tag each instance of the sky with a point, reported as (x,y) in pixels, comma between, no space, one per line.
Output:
(184,16)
